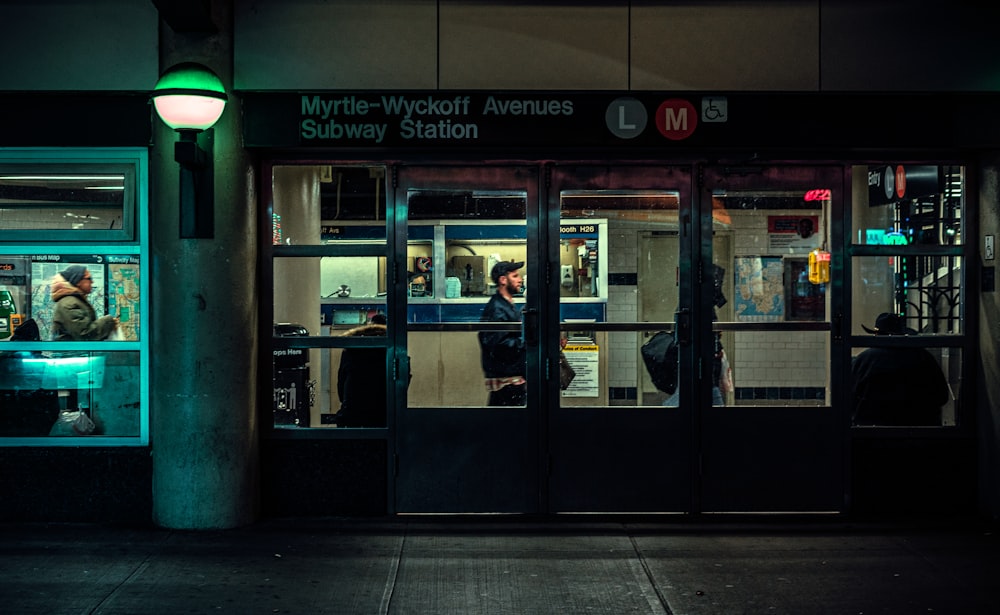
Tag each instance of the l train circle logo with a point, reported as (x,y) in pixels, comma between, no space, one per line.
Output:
(675,119)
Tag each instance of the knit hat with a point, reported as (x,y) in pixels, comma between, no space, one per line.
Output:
(73,274)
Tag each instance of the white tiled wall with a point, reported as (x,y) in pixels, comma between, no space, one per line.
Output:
(773,359)
(768,359)
(759,359)
(623,257)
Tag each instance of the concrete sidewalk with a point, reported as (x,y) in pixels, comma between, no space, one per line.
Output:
(417,566)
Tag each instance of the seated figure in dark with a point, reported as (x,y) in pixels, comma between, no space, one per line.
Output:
(897,386)
(361,380)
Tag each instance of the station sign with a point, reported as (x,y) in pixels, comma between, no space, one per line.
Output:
(656,121)
(476,119)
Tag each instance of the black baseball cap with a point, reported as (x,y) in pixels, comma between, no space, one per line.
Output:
(889,324)
(503,268)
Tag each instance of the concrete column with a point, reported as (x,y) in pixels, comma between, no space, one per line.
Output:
(204,318)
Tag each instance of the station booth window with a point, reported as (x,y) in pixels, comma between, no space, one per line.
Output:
(73,305)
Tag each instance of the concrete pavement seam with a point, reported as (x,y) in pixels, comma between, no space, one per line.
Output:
(649,575)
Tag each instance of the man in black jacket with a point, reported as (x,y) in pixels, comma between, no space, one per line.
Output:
(502,352)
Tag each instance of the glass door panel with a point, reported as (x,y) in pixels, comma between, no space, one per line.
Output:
(770,437)
(470,342)
(908,267)
(617,247)
(328,269)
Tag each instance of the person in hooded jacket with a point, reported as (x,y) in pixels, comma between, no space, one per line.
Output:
(361,380)
(74,318)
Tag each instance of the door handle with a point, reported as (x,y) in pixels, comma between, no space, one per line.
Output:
(682,320)
(529,326)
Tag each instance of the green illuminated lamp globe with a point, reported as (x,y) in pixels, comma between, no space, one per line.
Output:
(189,96)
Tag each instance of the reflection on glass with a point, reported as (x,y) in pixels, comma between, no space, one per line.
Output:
(61,201)
(312,387)
(466,204)
(926,289)
(315,204)
(769,239)
(896,204)
(44,394)
(638,206)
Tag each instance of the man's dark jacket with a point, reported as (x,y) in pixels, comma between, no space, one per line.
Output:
(502,352)
(361,382)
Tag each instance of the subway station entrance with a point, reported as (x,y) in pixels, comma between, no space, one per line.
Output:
(763,278)
(620,254)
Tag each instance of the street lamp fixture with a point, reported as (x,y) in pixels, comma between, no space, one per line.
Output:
(190,98)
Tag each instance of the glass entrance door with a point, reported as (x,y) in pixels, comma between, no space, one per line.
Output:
(696,311)
(771,428)
(709,316)
(467,437)
(621,244)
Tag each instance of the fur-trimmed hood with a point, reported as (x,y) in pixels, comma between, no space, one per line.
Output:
(372,330)
(61,288)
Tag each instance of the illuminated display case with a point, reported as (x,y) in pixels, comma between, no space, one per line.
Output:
(60,209)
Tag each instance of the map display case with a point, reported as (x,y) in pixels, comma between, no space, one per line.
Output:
(61,208)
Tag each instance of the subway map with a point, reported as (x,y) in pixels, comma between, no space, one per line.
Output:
(759,289)
(116,292)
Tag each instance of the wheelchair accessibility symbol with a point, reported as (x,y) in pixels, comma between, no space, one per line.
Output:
(714,109)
